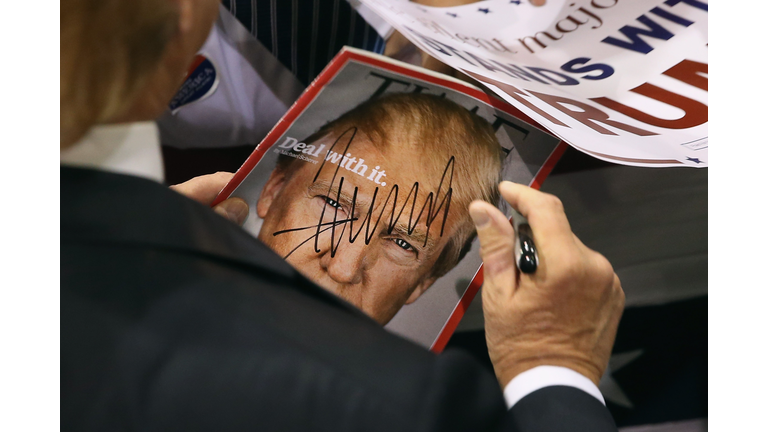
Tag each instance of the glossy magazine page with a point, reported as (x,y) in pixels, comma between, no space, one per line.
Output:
(363,187)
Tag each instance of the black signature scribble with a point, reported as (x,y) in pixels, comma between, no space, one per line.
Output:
(433,205)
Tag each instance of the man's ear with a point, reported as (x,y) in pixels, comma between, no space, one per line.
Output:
(270,191)
(195,20)
(186,15)
(420,288)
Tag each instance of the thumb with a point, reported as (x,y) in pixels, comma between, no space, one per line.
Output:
(497,241)
(234,209)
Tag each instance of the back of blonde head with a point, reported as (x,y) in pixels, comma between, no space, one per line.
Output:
(109,48)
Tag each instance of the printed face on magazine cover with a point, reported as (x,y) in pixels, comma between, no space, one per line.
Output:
(378,271)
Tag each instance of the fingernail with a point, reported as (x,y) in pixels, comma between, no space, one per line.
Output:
(479,217)
(236,210)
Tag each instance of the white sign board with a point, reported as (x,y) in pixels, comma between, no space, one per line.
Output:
(624,81)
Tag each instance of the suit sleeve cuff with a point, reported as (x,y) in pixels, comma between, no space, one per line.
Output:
(545,376)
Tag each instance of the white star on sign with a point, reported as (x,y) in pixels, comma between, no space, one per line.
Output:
(608,386)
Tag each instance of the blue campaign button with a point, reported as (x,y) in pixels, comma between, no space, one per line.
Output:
(201,82)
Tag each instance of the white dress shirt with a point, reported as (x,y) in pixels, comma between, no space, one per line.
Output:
(129,148)
(546,376)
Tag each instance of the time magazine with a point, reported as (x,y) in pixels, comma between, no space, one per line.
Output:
(363,186)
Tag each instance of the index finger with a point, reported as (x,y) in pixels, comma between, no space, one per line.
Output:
(544,212)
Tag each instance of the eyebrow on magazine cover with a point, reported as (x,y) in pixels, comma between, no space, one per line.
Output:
(322,187)
(418,237)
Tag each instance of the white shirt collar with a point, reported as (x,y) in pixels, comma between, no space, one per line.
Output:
(131,148)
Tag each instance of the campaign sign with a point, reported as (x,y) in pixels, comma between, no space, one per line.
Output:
(201,82)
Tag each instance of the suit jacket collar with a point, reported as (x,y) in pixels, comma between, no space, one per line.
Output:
(98,207)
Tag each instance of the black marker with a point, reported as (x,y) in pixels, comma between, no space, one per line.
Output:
(526,257)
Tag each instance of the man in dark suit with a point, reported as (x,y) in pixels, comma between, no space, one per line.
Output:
(172,317)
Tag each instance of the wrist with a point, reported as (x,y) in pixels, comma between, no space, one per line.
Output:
(508,368)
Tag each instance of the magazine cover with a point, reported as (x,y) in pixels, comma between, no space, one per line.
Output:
(363,187)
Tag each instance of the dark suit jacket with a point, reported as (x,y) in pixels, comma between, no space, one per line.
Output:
(172,318)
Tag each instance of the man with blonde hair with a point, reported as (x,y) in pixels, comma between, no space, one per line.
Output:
(173,318)
(400,140)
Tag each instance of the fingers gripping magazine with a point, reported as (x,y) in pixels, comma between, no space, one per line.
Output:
(363,186)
